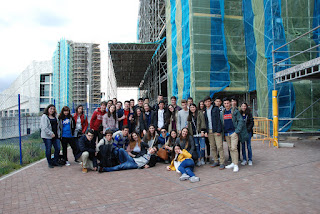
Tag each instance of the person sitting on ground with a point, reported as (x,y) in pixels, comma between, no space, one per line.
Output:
(127,162)
(186,142)
(87,151)
(151,138)
(107,139)
(171,143)
(183,163)
(120,138)
(105,151)
(136,147)
(162,140)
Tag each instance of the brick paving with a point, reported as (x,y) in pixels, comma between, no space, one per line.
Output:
(282,180)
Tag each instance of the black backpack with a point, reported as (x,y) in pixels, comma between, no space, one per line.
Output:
(106,155)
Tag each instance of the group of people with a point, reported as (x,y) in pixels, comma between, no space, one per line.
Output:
(133,136)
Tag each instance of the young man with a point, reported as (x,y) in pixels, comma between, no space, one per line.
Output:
(127,162)
(114,101)
(174,103)
(234,104)
(96,120)
(106,140)
(132,106)
(140,104)
(214,129)
(160,116)
(87,151)
(190,101)
(218,103)
(106,151)
(156,106)
(183,116)
(127,116)
(120,138)
(146,118)
(110,102)
(233,125)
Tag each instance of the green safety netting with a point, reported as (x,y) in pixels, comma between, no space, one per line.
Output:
(217,45)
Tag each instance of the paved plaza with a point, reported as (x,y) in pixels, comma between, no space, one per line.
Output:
(285,180)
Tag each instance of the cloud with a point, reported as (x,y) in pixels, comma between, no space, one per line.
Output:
(50,19)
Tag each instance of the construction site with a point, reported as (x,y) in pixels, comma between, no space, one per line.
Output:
(196,48)
(76,73)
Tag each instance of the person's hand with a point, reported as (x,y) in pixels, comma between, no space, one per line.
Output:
(53,135)
(168,168)
(206,134)
(170,148)
(130,118)
(94,168)
(96,153)
(202,134)
(144,132)
(146,166)
(123,117)
(159,129)
(218,134)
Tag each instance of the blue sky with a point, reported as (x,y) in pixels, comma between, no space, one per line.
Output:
(30,30)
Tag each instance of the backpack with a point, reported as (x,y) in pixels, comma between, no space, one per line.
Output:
(106,155)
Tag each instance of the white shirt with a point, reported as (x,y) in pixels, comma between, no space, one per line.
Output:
(160,118)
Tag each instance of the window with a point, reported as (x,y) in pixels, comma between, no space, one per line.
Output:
(45,78)
(44,90)
(44,100)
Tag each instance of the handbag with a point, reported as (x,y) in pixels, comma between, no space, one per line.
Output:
(162,153)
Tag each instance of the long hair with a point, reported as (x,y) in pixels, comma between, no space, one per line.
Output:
(170,114)
(247,111)
(199,108)
(186,138)
(132,143)
(149,135)
(78,108)
(46,110)
(172,141)
(114,114)
(136,117)
(191,114)
(62,116)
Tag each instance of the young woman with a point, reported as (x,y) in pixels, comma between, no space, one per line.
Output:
(110,120)
(171,143)
(67,127)
(81,122)
(136,121)
(151,138)
(197,128)
(50,133)
(171,118)
(248,119)
(136,147)
(182,163)
(186,142)
(202,108)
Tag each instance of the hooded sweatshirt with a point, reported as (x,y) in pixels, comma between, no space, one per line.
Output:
(96,119)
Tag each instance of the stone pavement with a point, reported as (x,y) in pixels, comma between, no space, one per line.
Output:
(282,180)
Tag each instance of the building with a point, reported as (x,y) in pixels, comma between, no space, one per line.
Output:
(76,74)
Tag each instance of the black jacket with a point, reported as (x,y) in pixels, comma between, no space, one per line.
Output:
(156,119)
(215,119)
(144,121)
(84,145)
(249,122)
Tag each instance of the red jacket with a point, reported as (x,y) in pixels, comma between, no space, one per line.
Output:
(96,119)
(84,121)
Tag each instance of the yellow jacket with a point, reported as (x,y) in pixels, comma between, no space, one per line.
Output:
(181,157)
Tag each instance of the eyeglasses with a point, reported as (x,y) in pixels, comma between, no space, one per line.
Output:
(163,131)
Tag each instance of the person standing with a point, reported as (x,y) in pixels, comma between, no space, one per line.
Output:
(214,129)
(50,134)
(160,116)
(249,122)
(67,127)
(171,118)
(110,120)
(146,119)
(233,127)
(173,101)
(96,120)
(81,121)
(183,116)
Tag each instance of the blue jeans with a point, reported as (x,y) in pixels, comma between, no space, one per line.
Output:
(126,162)
(186,167)
(200,146)
(248,147)
(56,145)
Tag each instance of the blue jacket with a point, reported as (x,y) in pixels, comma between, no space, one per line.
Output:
(215,119)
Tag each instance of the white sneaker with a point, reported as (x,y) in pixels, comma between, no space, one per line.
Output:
(202,162)
(67,163)
(199,163)
(194,179)
(244,162)
(184,177)
(230,166)
(235,168)
(250,163)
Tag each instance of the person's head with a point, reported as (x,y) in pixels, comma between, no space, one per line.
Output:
(126,104)
(161,104)
(112,108)
(234,102)
(152,129)
(103,106)
(146,107)
(227,103)
(90,134)
(131,102)
(119,105)
(146,100)
(193,108)
(217,101)
(173,134)
(207,101)
(114,101)
(177,149)
(184,104)
(135,137)
(50,110)
(65,112)
(171,108)
(138,112)
(160,97)
(163,132)
(125,131)
(190,101)
(153,150)
(184,133)
(244,108)
(79,109)
(201,105)
(140,102)
(173,100)
(108,135)
(109,103)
